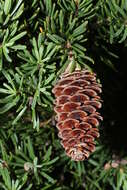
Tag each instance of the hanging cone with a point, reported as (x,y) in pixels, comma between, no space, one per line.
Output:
(76,105)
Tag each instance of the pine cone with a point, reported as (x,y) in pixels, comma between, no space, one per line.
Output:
(77,119)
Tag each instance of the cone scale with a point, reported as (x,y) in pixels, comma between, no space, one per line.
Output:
(76,105)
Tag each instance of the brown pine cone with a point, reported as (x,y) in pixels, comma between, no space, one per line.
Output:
(76,105)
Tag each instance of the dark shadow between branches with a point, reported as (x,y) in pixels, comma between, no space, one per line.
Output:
(114,126)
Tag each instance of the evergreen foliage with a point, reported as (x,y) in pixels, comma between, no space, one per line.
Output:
(38,39)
